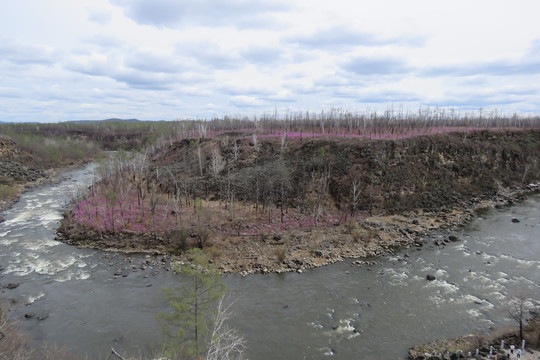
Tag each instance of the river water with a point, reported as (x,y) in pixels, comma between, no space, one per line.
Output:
(339,311)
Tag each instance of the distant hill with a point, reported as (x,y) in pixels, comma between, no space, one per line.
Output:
(106,120)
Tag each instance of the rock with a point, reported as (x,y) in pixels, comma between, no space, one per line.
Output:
(430,277)
(12,286)
(514,220)
(2,219)
(42,317)
(29,315)
(453,238)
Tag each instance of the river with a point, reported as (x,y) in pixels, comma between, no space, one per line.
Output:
(341,311)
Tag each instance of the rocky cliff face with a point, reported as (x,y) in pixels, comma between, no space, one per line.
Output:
(303,203)
(16,165)
(16,170)
(430,172)
(390,176)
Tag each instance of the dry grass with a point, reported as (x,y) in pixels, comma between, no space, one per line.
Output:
(15,346)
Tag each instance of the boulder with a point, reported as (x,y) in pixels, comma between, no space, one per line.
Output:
(430,277)
(514,220)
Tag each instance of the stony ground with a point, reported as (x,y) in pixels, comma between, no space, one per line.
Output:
(461,347)
(299,250)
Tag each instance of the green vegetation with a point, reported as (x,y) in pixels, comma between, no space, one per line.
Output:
(188,326)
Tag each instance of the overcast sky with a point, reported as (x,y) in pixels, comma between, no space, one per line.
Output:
(169,59)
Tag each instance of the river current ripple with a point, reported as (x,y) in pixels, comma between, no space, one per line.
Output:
(339,311)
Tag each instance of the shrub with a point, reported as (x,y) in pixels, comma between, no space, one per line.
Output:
(179,239)
(214,252)
(350,226)
(7,192)
(202,235)
(357,235)
(6,180)
(281,253)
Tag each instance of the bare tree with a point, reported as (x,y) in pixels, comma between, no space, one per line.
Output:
(284,142)
(12,344)
(154,200)
(516,310)
(217,164)
(256,144)
(236,150)
(177,194)
(225,343)
(200,158)
(355,196)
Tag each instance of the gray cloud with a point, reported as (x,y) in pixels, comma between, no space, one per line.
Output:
(341,37)
(209,54)
(497,68)
(174,13)
(388,97)
(263,55)
(100,16)
(25,55)
(375,66)
(13,93)
(104,41)
(236,89)
(479,98)
(144,81)
(131,77)
(149,62)
(534,49)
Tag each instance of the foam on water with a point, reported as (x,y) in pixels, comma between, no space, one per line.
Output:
(32,298)
(50,217)
(8,241)
(441,272)
(444,286)
(474,313)
(32,263)
(38,246)
(63,276)
(20,218)
(521,261)
(326,351)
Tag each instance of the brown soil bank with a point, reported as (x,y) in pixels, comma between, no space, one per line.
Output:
(381,193)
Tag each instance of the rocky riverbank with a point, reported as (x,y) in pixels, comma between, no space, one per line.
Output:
(20,171)
(301,250)
(304,204)
(496,343)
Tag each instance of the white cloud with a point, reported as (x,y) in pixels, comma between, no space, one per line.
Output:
(245,101)
(168,59)
(100,16)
